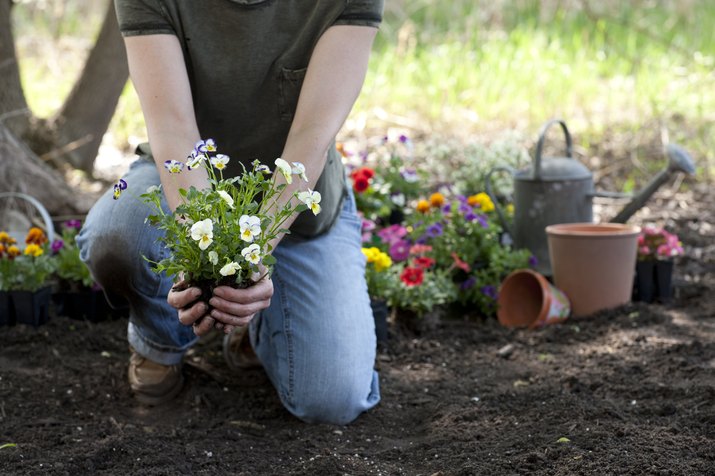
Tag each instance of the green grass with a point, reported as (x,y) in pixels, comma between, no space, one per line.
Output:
(470,67)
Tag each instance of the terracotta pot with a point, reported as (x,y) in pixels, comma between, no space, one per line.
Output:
(528,299)
(593,264)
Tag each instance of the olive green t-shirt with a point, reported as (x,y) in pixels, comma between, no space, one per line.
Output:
(246,60)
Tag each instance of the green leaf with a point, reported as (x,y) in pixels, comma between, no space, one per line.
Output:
(269,260)
(563,439)
(8,445)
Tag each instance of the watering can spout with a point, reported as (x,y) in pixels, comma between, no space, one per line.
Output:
(679,161)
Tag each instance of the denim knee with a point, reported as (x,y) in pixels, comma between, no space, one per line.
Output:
(336,402)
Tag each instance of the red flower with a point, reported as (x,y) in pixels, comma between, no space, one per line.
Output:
(412,276)
(360,184)
(424,262)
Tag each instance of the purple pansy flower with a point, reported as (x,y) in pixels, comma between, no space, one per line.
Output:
(57,245)
(489,291)
(533,261)
(76,224)
(468,284)
(400,250)
(434,230)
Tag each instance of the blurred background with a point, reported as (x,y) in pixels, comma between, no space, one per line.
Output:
(456,76)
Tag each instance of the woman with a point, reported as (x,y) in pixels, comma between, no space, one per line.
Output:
(265,79)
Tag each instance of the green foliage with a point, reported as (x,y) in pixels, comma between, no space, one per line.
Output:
(70,269)
(25,269)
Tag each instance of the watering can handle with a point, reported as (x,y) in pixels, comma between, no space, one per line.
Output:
(492,196)
(540,145)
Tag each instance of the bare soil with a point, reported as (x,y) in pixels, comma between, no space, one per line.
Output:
(628,391)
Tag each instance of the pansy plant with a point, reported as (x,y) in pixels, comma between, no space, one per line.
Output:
(223,233)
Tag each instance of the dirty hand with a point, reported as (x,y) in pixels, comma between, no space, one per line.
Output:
(236,307)
(191,312)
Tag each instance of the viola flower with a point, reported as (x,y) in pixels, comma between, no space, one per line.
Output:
(299,170)
(34,250)
(409,175)
(468,283)
(76,224)
(56,246)
(285,169)
(194,159)
(226,198)
(400,250)
(36,236)
(264,169)
(460,264)
(119,187)
(312,199)
(490,292)
(174,166)
(210,145)
(230,269)
(533,261)
(153,188)
(219,162)
(434,230)
(423,206)
(412,276)
(424,262)
(250,227)
(437,200)
(202,231)
(252,253)
(213,258)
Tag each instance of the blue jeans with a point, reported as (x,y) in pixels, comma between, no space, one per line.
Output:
(316,341)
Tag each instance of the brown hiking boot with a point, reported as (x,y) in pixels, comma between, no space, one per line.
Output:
(237,350)
(153,383)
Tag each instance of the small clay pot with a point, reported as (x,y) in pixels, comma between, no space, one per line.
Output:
(528,299)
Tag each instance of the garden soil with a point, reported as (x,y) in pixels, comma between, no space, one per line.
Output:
(627,391)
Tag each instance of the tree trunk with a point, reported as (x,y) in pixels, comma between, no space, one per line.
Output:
(88,110)
(14,113)
(22,171)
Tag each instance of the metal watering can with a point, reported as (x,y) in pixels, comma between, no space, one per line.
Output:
(560,190)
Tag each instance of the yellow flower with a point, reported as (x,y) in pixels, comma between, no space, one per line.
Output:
(2,248)
(483,200)
(370,253)
(423,206)
(34,250)
(382,262)
(510,208)
(5,238)
(13,251)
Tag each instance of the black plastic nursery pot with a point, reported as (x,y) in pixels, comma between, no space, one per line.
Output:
(7,311)
(664,281)
(89,305)
(653,281)
(32,308)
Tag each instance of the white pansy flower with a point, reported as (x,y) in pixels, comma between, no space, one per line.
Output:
(226,197)
(299,169)
(312,199)
(153,188)
(263,168)
(213,258)
(202,231)
(230,269)
(250,227)
(210,145)
(284,168)
(220,161)
(252,253)
(194,159)
(173,166)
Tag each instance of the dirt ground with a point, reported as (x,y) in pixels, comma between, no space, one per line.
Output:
(628,391)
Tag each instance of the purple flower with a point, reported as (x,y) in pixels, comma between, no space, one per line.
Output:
(533,261)
(434,230)
(368,225)
(464,208)
(447,208)
(489,291)
(409,175)
(483,220)
(468,284)
(76,224)
(57,245)
(404,138)
(470,216)
(400,250)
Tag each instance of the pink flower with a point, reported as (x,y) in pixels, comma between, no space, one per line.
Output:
(392,233)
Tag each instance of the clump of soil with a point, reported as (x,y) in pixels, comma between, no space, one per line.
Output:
(628,391)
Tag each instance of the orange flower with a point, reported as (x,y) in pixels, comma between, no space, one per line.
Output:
(436,200)
(423,206)
(35,236)
(13,251)
(2,249)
